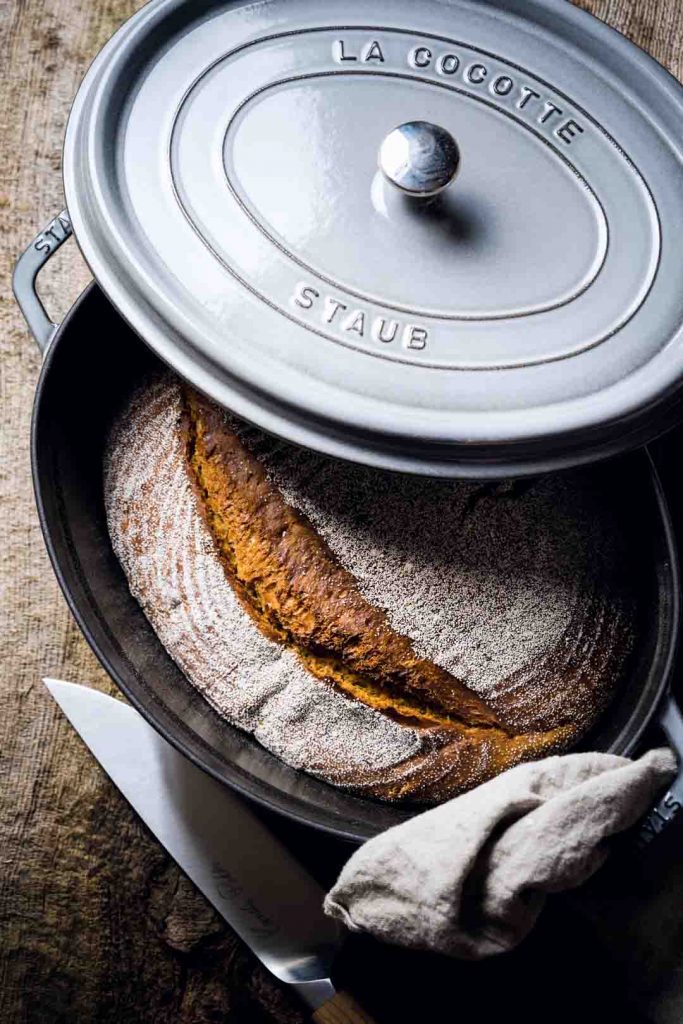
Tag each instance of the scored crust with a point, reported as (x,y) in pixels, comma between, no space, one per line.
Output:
(302,600)
(298,592)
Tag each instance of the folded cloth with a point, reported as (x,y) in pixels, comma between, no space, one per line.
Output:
(469,878)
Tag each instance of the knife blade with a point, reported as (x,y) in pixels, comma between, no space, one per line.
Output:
(251,879)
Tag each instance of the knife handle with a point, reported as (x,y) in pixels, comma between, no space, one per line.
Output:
(342,1008)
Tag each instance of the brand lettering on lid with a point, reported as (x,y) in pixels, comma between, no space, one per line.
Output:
(370,53)
(402,296)
(517,93)
(477,75)
(358,322)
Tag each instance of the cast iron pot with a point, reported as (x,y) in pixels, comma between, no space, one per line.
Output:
(92,360)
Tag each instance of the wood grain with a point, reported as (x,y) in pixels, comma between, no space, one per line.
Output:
(96,925)
(342,1009)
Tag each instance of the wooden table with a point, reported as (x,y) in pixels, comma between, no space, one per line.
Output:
(96,924)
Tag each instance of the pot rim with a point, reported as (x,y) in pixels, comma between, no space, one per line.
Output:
(95,629)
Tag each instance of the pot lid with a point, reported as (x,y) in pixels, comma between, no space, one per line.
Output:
(437,237)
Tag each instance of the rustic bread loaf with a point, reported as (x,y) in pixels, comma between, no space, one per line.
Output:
(406,639)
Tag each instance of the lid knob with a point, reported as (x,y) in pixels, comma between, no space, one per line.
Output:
(419,158)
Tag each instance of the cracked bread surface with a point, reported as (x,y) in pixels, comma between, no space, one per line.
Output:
(268,621)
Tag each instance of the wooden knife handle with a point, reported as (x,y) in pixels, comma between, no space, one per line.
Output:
(342,1009)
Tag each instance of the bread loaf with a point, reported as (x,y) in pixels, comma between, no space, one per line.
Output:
(403,638)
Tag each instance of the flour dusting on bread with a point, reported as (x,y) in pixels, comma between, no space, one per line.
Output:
(511,592)
(168,556)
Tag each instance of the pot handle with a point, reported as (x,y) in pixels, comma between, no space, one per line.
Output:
(26,270)
(671,721)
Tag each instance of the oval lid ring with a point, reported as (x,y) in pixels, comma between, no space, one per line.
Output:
(533,319)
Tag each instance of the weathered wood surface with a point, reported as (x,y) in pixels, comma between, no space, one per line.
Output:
(96,925)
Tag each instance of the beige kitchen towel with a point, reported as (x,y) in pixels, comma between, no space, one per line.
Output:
(469,878)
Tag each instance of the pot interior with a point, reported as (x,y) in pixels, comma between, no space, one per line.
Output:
(94,361)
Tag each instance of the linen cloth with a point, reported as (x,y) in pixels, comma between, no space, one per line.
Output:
(470,877)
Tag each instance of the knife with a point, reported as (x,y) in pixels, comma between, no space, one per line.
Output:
(251,879)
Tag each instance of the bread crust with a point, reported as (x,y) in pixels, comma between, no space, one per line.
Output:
(299,595)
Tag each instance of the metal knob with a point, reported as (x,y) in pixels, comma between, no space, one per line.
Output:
(419,158)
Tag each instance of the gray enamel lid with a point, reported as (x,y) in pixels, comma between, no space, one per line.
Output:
(437,236)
